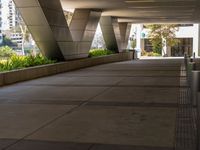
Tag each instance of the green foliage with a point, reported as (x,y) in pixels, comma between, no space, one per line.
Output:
(19,62)
(158,32)
(157,46)
(144,53)
(6,52)
(100,52)
(133,43)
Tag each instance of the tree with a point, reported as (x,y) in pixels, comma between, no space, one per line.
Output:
(161,35)
(21,28)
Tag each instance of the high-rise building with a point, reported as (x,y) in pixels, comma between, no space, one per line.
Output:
(11,14)
(1,36)
(7,15)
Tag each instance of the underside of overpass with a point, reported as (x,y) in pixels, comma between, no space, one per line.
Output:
(47,23)
(134,105)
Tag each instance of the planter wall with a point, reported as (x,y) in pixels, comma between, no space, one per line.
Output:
(51,69)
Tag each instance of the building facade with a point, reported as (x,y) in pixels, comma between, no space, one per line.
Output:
(187,35)
(8,17)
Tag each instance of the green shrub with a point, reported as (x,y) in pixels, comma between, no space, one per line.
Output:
(99,52)
(6,52)
(144,53)
(133,43)
(19,62)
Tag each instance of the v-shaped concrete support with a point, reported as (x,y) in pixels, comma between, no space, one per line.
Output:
(115,34)
(47,24)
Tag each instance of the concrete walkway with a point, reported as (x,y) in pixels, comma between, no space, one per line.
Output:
(119,106)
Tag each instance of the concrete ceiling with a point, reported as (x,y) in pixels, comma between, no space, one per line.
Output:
(143,11)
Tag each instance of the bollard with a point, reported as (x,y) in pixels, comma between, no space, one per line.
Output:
(185,60)
(195,87)
(198,120)
(191,67)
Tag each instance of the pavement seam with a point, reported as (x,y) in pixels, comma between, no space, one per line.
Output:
(60,116)
(91,146)
(185,132)
(68,85)
(93,75)
(77,107)
(55,119)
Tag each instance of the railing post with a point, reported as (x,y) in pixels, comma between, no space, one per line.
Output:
(194,54)
(198,121)
(191,67)
(185,60)
(195,93)
(195,87)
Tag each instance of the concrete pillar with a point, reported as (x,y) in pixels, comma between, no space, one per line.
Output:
(196,40)
(142,44)
(46,22)
(164,49)
(169,54)
(138,40)
(106,23)
(83,27)
(125,29)
(115,34)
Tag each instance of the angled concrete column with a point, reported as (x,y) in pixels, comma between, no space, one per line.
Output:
(125,29)
(106,23)
(139,40)
(83,27)
(47,24)
(115,34)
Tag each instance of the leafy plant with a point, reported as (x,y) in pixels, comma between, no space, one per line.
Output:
(19,62)
(100,52)
(162,35)
(133,43)
(6,51)
(144,53)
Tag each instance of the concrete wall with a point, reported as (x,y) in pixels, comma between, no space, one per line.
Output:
(47,70)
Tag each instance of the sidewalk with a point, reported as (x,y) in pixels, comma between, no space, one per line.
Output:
(120,106)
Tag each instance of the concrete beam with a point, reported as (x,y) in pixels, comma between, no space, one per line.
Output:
(115,34)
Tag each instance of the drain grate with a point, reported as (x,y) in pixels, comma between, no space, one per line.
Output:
(185,124)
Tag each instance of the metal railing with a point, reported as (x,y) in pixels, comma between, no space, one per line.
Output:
(193,82)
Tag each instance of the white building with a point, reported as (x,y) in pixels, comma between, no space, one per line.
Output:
(17,38)
(7,16)
(188,35)
(8,20)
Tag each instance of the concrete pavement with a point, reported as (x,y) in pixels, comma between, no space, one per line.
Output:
(119,106)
